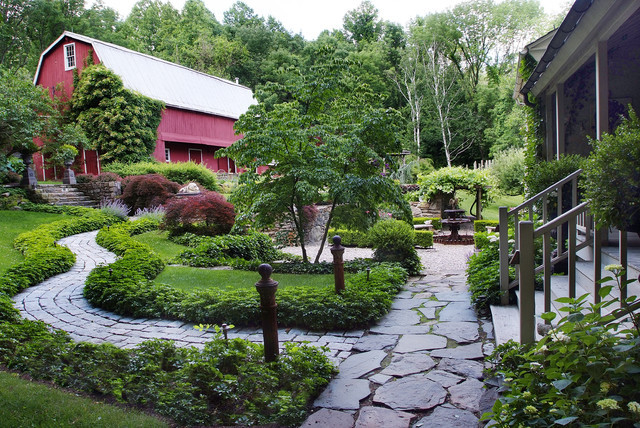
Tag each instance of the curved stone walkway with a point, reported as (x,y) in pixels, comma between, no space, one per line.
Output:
(420,366)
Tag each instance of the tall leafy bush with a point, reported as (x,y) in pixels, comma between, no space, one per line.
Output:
(208,213)
(147,191)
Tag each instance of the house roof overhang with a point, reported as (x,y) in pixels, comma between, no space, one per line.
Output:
(575,41)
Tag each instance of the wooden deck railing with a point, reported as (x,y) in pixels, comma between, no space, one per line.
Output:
(581,234)
(528,208)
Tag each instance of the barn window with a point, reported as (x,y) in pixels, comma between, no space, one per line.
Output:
(70,56)
(167,155)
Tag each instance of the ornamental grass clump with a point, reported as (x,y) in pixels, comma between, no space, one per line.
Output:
(585,372)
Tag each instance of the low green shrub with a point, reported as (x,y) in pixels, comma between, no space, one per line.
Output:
(483,275)
(350,238)
(424,238)
(482,239)
(481,225)
(394,241)
(436,222)
(180,172)
(226,383)
(216,251)
(583,373)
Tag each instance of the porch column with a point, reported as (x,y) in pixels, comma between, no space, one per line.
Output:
(560,127)
(549,130)
(602,89)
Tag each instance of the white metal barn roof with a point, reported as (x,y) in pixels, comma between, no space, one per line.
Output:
(175,85)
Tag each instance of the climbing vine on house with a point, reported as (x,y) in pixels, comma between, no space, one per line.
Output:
(119,123)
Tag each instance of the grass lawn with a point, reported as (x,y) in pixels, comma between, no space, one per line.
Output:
(12,224)
(189,279)
(30,404)
(490,211)
(157,240)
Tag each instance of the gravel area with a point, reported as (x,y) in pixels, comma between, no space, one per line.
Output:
(439,260)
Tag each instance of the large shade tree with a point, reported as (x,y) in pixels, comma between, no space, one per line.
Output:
(323,138)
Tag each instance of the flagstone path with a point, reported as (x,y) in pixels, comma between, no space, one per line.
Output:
(420,366)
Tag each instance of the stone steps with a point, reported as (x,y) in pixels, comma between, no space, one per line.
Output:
(64,194)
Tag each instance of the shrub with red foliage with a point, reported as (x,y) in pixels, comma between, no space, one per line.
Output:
(147,191)
(205,214)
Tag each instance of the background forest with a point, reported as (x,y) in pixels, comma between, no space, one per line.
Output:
(449,74)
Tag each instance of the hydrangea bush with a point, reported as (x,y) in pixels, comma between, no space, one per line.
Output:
(585,372)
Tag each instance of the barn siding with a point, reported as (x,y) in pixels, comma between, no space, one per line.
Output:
(179,129)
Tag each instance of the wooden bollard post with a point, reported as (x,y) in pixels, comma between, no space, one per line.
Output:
(338,263)
(267,289)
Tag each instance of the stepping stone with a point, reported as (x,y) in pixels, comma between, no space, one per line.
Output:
(445,379)
(461,332)
(435,304)
(380,379)
(487,327)
(413,393)
(375,342)
(453,296)
(429,312)
(419,342)
(399,329)
(458,311)
(328,418)
(358,365)
(407,303)
(463,352)
(467,395)
(400,318)
(343,394)
(447,417)
(373,417)
(406,364)
(404,295)
(465,368)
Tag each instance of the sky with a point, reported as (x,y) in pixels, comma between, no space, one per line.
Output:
(310,18)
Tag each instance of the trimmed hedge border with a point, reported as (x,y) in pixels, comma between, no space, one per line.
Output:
(193,387)
(124,288)
(356,238)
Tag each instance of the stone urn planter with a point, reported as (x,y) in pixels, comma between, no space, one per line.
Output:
(69,176)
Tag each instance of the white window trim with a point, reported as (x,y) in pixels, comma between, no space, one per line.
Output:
(67,56)
(195,150)
(167,155)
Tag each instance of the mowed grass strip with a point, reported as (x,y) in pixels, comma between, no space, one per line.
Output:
(12,224)
(158,241)
(190,279)
(30,404)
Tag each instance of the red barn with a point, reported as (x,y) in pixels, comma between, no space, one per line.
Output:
(200,109)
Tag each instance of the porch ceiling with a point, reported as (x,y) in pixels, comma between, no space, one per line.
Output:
(586,24)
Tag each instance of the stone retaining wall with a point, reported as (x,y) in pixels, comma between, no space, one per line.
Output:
(101,190)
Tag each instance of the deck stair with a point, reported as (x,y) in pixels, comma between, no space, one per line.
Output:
(585,253)
(64,194)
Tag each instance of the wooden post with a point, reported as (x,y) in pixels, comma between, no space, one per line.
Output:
(622,253)
(267,289)
(338,264)
(527,284)
(571,263)
(503,230)
(546,252)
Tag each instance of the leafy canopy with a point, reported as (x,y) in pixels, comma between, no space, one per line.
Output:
(324,138)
